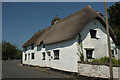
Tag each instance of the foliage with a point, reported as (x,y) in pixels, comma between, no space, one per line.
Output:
(9,51)
(106,60)
(117,33)
(80,48)
(114,19)
(19,54)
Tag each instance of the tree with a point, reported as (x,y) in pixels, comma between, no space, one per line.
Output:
(9,51)
(19,54)
(114,19)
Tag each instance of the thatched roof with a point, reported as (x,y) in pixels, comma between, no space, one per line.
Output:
(67,28)
(35,37)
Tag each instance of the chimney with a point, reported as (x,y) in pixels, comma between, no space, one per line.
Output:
(99,13)
(55,20)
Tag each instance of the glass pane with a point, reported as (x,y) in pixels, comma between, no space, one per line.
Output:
(89,54)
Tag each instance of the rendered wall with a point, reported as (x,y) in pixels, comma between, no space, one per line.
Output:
(99,45)
(68,50)
(67,56)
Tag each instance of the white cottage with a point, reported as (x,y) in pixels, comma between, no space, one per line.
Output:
(57,45)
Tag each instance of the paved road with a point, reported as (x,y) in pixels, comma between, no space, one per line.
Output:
(11,69)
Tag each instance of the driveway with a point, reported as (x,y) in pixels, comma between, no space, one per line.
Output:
(10,69)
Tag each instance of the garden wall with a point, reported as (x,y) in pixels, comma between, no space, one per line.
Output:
(97,70)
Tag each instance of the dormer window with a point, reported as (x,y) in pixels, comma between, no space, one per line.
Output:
(43,45)
(93,33)
(32,46)
(25,48)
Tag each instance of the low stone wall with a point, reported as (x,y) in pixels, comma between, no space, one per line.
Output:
(99,71)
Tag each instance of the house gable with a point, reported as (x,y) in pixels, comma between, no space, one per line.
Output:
(97,44)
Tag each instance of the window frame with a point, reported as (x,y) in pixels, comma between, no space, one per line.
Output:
(49,53)
(58,54)
(43,55)
(90,56)
(93,33)
(113,54)
(25,48)
(43,45)
(32,55)
(32,46)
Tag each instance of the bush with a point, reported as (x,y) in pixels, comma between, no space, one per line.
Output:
(10,51)
(106,60)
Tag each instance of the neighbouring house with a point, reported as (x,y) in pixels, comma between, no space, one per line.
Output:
(57,45)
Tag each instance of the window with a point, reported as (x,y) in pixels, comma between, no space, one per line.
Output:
(89,54)
(32,56)
(93,33)
(43,56)
(39,48)
(28,56)
(25,48)
(32,46)
(112,51)
(56,54)
(48,53)
(43,45)
(25,56)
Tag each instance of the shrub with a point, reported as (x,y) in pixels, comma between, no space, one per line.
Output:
(106,60)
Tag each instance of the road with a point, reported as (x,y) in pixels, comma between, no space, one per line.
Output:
(10,69)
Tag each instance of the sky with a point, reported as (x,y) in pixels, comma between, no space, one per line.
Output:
(20,20)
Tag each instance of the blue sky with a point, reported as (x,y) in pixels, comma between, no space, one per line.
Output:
(20,20)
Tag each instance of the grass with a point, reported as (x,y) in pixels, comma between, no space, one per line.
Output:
(106,60)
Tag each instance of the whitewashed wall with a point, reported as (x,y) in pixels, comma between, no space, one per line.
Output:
(67,56)
(30,61)
(68,49)
(99,45)
(101,71)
